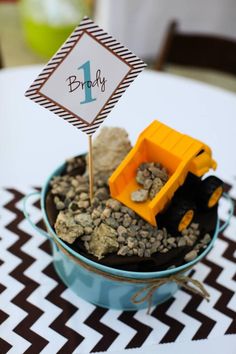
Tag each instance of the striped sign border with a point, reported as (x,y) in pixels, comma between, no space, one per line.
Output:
(87,25)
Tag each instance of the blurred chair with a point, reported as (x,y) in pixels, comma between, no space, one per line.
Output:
(196,50)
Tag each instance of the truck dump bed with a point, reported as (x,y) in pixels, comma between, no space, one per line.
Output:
(177,152)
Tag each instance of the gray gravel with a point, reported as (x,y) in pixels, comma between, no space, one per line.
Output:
(151,176)
(131,235)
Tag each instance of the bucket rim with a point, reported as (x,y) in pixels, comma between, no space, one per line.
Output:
(117,272)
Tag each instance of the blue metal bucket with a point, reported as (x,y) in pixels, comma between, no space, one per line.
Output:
(101,285)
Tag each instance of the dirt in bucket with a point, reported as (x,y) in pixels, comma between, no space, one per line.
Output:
(110,233)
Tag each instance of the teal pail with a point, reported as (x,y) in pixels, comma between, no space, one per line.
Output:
(102,285)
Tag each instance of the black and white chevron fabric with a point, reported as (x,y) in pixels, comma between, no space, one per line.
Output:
(38,314)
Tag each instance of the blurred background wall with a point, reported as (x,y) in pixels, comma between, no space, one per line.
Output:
(141,24)
(32,30)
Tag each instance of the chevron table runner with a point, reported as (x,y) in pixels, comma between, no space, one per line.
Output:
(38,314)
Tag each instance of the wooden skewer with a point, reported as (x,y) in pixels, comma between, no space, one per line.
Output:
(90,169)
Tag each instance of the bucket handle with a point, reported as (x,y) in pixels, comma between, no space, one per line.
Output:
(26,214)
(231,212)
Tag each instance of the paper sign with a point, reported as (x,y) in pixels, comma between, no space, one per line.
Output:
(84,80)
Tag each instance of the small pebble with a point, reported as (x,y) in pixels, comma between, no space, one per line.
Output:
(86,238)
(121,239)
(88,230)
(82,188)
(70,194)
(165,234)
(143,166)
(156,244)
(83,204)
(164,242)
(146,174)
(106,213)
(172,267)
(189,242)
(73,206)
(117,215)
(140,252)
(206,239)
(112,222)
(83,219)
(84,196)
(67,202)
(100,183)
(194,226)
(123,250)
(156,187)
(144,234)
(171,240)
(95,214)
(102,194)
(113,204)
(86,245)
(129,211)
(191,255)
(147,253)
(97,221)
(198,246)
(130,242)
(140,178)
(147,184)
(160,236)
(141,244)
(121,230)
(131,231)
(75,183)
(127,220)
(95,202)
(60,205)
(139,196)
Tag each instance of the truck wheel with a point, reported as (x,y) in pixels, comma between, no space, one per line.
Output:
(180,216)
(211,190)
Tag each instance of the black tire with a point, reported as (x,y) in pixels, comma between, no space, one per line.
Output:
(175,214)
(209,187)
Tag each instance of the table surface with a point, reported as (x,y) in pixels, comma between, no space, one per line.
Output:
(33,142)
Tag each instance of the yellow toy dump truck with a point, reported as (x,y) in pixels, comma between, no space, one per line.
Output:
(186,161)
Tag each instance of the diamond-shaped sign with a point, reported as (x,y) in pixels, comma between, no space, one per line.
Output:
(84,80)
